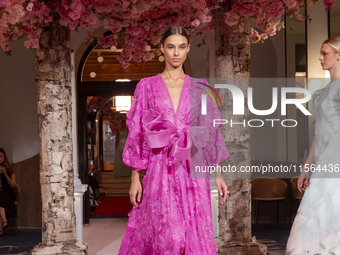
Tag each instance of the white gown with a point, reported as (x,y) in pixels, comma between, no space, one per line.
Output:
(316,228)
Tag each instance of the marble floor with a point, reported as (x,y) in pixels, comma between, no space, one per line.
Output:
(104,235)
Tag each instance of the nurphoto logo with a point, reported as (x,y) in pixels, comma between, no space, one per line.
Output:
(239,101)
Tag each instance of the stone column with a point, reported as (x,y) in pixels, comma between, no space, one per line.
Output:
(233,61)
(56,146)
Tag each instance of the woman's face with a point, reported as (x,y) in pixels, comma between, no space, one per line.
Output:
(328,58)
(2,158)
(175,50)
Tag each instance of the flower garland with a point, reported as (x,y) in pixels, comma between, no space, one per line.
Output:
(143,21)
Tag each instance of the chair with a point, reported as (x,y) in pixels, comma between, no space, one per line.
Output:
(295,194)
(16,202)
(264,190)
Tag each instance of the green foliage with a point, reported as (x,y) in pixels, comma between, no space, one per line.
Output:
(322,246)
(8,53)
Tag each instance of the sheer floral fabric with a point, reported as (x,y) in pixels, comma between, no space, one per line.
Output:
(174,215)
(316,228)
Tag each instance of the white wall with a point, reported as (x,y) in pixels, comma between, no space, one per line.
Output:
(18,100)
(18,104)
(267,61)
(317,34)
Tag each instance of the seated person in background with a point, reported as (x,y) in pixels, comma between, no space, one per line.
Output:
(93,183)
(7,185)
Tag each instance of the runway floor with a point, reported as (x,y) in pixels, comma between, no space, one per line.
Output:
(104,235)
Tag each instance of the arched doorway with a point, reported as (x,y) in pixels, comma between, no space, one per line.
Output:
(101,78)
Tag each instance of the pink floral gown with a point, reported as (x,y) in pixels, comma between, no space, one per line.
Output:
(174,215)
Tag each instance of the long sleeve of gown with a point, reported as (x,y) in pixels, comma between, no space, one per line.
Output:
(216,151)
(136,152)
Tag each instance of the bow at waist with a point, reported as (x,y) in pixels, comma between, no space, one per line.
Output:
(161,131)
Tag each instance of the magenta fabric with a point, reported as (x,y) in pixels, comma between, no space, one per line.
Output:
(174,215)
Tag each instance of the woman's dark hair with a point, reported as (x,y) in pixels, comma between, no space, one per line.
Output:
(6,164)
(174,31)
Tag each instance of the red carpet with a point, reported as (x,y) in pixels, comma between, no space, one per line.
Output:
(113,206)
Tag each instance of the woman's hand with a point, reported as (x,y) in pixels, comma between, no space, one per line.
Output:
(4,172)
(135,192)
(222,189)
(303,180)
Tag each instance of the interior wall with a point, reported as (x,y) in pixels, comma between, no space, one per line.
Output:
(18,103)
(264,140)
(316,35)
(28,178)
(294,38)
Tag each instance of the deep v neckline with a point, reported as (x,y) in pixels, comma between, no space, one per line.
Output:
(180,97)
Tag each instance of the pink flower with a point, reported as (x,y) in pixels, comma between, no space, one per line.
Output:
(199,4)
(89,37)
(32,43)
(148,56)
(74,24)
(114,25)
(196,23)
(107,41)
(264,36)
(291,3)
(29,7)
(5,3)
(231,18)
(205,18)
(33,39)
(254,36)
(76,9)
(271,31)
(280,25)
(239,29)
(296,10)
(88,20)
(275,9)
(262,25)
(16,12)
(329,3)
(300,17)
(252,9)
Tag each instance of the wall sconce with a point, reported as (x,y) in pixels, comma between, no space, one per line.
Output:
(122,104)
(161,58)
(122,80)
(100,59)
(93,75)
(300,74)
